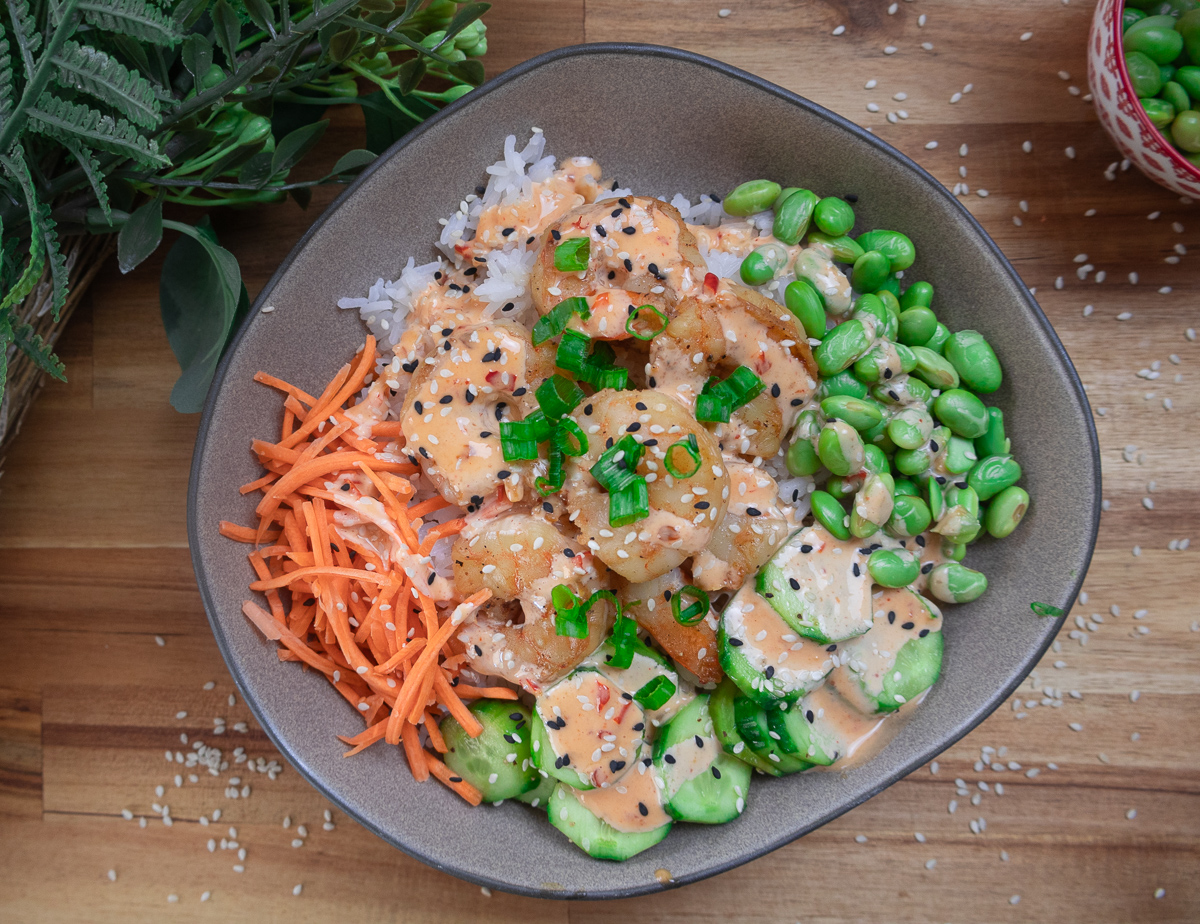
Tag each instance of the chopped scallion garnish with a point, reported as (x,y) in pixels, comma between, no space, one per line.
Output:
(553,479)
(555,321)
(617,466)
(570,618)
(517,440)
(631,328)
(571,256)
(624,638)
(630,504)
(655,694)
(695,612)
(574,350)
(558,396)
(692,447)
(566,432)
(718,400)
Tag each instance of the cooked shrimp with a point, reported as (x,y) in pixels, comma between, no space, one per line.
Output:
(753,529)
(738,326)
(480,375)
(447,302)
(692,647)
(641,252)
(521,558)
(683,512)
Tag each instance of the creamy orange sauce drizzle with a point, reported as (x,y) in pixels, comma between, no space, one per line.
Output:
(772,646)
(621,805)
(838,600)
(602,730)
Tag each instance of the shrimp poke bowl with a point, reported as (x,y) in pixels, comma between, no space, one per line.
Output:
(627,501)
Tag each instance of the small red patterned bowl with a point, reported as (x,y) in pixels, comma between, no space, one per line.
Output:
(1121,112)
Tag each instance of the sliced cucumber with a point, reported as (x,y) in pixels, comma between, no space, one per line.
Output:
(898,660)
(646,665)
(819,585)
(595,837)
(793,732)
(763,655)
(701,783)
(497,762)
(754,724)
(721,709)
(539,796)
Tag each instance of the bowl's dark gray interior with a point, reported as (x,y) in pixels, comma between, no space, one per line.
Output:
(700,127)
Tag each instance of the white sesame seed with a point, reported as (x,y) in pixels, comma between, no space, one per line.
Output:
(930,145)
(889,50)
(1027,146)
(839,30)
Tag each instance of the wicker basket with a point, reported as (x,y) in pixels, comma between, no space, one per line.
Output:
(85,255)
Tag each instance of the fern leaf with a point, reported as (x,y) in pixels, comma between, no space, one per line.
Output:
(8,92)
(16,167)
(25,33)
(81,67)
(134,18)
(66,121)
(38,350)
(59,274)
(91,167)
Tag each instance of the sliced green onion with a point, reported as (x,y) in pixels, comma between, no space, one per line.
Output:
(558,396)
(615,377)
(624,637)
(743,385)
(617,466)
(553,479)
(574,351)
(713,408)
(645,335)
(570,618)
(517,440)
(555,321)
(571,256)
(717,401)
(655,694)
(563,434)
(1046,609)
(630,504)
(692,448)
(694,613)
(540,426)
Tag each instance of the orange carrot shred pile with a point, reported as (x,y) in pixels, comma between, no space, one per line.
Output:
(333,602)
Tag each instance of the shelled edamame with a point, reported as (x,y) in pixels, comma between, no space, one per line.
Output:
(1161,40)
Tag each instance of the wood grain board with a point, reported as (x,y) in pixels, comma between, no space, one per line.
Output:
(94,563)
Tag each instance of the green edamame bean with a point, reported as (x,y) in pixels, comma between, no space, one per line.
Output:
(1173,8)
(967,498)
(962,412)
(840,488)
(917,325)
(802,458)
(918,295)
(911,461)
(842,346)
(1159,111)
(875,460)
(910,515)
(1188,77)
(960,455)
(840,448)
(880,364)
(992,474)
(755,270)
(878,437)
(908,359)
(751,197)
(911,427)
(1129,17)
(974,360)
(805,302)
(1185,131)
(783,194)
(872,306)
(844,249)
(993,442)
(844,383)
(954,551)
(1166,72)
(861,413)
(934,369)
(834,216)
(897,247)
(891,284)
(954,583)
(906,488)
(809,424)
(893,567)
(870,271)
(957,524)
(1155,37)
(1006,511)
(793,216)
(937,498)
(830,514)
(939,338)
(1176,95)
(860,528)
(890,302)
(1143,75)
(903,389)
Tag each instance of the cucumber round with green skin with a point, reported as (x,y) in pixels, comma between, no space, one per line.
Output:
(721,709)
(717,792)
(797,582)
(594,836)
(754,724)
(792,729)
(497,762)
(898,660)
(551,763)
(539,796)
(646,665)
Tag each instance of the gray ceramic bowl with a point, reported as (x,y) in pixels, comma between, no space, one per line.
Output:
(691,125)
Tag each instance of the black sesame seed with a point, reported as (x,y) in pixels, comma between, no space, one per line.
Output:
(653,268)
(418,407)
(796,402)
(612,274)
(616,213)
(850,197)
(806,548)
(922,633)
(795,585)
(557,235)
(770,671)
(920,540)
(639,726)
(699,741)
(633,427)
(736,642)
(831,648)
(616,765)
(570,553)
(345,487)
(624,203)
(423,451)
(470,396)
(753,512)
(507,231)
(650,442)
(715,772)
(509,738)
(456,779)
(547,506)
(855,569)
(941,479)
(702,505)
(653,382)
(667,595)
(508,306)
(432,578)
(630,229)
(933,445)
(669,759)
(471,271)
(642,808)
(927,567)
(478,651)
(503,473)
(775,392)
(484,434)
(628,265)
(587,410)
(520,391)
(892,394)
(810,716)
(891,617)
(445,399)
(640,406)
(438,276)
(908,625)
(515,716)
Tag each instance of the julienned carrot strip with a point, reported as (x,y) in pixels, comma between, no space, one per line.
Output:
(414,752)
(386,428)
(289,423)
(427,506)
(449,698)
(408,651)
(265,450)
(371,577)
(312,469)
(435,733)
(258,483)
(267,379)
(328,404)
(267,626)
(364,739)
(441,531)
(457,783)
(468,692)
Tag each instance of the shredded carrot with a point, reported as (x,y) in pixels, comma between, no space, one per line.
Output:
(457,783)
(468,692)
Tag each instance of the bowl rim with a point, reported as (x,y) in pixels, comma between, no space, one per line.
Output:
(770,844)
(1177,159)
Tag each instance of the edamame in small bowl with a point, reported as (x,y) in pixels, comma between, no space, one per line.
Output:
(826,355)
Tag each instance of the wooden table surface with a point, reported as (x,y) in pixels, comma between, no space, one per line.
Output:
(1092,802)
